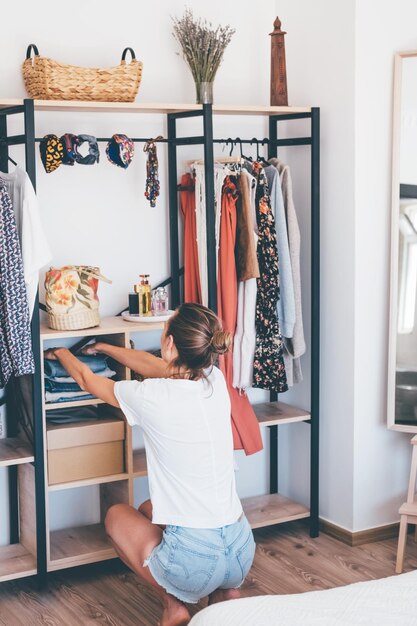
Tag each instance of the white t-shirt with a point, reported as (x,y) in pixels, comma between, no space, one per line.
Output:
(34,246)
(189,448)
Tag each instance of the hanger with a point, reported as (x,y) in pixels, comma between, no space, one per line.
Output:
(12,160)
(260,159)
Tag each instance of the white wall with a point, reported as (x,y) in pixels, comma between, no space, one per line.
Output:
(340,56)
(320,41)
(381,457)
(98,214)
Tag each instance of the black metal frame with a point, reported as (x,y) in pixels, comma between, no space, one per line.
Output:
(173,141)
(28,140)
(273,143)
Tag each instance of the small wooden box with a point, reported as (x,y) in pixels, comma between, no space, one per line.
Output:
(85,450)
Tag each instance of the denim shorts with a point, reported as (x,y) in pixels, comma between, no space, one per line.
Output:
(191,563)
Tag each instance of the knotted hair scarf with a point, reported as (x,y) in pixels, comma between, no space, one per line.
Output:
(93,155)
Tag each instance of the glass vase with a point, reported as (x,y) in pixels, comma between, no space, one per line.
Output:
(204,93)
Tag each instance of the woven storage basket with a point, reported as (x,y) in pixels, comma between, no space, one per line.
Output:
(71,297)
(45,79)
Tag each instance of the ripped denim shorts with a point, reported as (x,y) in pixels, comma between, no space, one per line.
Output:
(191,563)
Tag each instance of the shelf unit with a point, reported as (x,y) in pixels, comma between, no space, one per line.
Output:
(48,551)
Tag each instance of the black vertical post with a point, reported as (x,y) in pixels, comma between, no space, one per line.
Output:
(29,118)
(315,319)
(273,136)
(273,396)
(173,211)
(4,148)
(210,215)
(11,422)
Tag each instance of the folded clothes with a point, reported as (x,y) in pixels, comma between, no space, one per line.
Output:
(107,373)
(51,385)
(69,396)
(96,363)
(74,414)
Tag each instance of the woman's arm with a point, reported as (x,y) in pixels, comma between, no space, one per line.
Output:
(102,388)
(148,365)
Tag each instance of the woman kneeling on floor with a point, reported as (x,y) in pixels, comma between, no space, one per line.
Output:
(192,538)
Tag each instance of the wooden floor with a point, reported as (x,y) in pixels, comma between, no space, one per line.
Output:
(287,561)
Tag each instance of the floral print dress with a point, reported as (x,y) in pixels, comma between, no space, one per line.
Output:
(16,356)
(268,370)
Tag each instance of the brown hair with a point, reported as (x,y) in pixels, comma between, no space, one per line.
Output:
(198,336)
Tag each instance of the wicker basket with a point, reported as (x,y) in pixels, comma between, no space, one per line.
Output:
(74,321)
(45,79)
(71,297)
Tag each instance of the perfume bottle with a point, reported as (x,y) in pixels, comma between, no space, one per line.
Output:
(160,301)
(148,295)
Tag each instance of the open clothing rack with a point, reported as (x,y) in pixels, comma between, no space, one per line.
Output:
(34,548)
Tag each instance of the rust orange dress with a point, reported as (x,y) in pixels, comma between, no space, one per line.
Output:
(192,287)
(245,426)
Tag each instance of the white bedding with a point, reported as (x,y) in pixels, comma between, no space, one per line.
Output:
(387,602)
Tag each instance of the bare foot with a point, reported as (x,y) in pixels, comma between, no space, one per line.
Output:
(221,595)
(175,613)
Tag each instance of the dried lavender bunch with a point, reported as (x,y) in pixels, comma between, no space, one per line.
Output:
(202,45)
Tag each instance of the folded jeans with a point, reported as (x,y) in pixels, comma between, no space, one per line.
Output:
(97,363)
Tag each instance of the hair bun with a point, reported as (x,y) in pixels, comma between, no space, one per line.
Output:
(221,341)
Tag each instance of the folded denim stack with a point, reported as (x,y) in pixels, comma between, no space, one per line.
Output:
(60,387)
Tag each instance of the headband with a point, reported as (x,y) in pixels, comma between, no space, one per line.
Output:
(52,152)
(120,150)
(70,143)
(93,155)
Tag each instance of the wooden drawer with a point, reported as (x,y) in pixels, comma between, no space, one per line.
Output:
(85,450)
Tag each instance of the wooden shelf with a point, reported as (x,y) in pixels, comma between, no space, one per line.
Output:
(139,463)
(108,326)
(98,480)
(16,562)
(272,509)
(274,413)
(15,451)
(50,406)
(77,546)
(143,107)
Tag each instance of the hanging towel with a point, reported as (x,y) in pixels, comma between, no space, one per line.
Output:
(293,348)
(245,426)
(16,355)
(33,243)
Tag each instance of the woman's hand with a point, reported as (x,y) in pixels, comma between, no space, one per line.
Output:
(91,350)
(50,354)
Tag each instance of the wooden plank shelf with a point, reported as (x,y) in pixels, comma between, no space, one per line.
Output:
(272,509)
(139,463)
(16,562)
(275,413)
(108,326)
(97,480)
(144,107)
(80,545)
(15,451)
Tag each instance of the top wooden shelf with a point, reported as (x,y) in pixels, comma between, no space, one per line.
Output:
(108,326)
(141,107)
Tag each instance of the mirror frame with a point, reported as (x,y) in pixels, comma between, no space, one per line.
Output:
(395,212)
